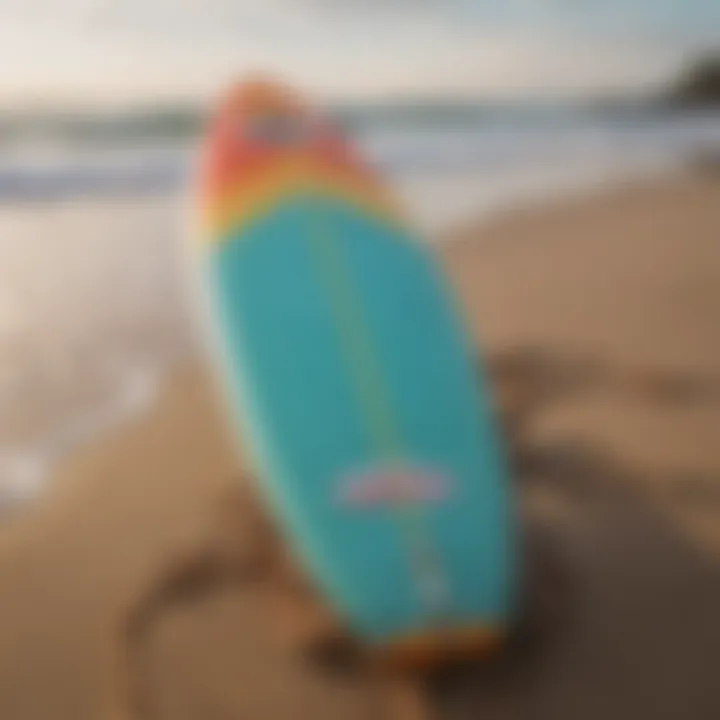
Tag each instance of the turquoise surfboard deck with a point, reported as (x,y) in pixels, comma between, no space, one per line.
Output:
(358,395)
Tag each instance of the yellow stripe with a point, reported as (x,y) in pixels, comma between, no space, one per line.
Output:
(351,322)
(374,397)
(247,202)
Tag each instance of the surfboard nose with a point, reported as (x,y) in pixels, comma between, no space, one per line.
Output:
(256,123)
(261,95)
(267,143)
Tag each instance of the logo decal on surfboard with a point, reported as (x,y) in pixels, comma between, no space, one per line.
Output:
(392,486)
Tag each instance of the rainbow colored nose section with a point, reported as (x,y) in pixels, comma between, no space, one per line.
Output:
(266,146)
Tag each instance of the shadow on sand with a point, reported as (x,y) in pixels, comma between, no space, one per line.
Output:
(621,619)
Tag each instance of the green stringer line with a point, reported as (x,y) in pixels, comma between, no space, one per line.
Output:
(374,398)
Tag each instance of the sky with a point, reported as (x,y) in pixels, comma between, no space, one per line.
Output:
(120,50)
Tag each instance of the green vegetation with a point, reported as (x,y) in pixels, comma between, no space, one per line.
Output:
(699,85)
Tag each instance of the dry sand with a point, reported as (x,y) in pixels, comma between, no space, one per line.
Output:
(604,312)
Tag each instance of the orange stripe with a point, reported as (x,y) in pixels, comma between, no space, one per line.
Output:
(428,650)
(248,199)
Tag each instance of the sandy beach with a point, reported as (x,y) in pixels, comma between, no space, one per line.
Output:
(601,314)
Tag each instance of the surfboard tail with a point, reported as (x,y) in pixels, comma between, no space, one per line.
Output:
(426,651)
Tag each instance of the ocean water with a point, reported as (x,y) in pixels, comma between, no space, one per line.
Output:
(94,312)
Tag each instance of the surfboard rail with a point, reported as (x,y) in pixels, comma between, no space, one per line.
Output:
(352,381)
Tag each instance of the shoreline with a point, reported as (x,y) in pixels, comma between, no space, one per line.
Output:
(498,225)
(32,472)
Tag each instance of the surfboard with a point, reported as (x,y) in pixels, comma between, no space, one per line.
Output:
(352,382)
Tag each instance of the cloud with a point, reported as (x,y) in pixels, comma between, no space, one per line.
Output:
(345,46)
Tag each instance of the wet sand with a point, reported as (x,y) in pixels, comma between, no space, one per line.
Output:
(600,321)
